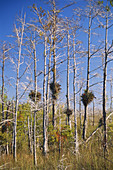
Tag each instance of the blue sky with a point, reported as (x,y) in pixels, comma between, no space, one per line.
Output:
(9,9)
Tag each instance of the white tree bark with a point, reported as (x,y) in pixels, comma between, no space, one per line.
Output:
(74,92)
(2,96)
(7,115)
(13,127)
(31,132)
(35,91)
(20,40)
(59,130)
(29,135)
(45,138)
(48,82)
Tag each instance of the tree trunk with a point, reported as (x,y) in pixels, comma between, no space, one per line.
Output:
(88,71)
(84,123)
(16,109)
(12,127)
(54,61)
(35,90)
(31,132)
(68,106)
(45,138)
(59,130)
(2,96)
(20,39)
(7,115)
(29,136)
(88,62)
(104,85)
(34,140)
(74,92)
(80,110)
(48,84)
(111,95)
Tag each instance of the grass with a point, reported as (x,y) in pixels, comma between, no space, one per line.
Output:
(90,156)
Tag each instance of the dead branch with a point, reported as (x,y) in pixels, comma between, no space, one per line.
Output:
(8,120)
(97,129)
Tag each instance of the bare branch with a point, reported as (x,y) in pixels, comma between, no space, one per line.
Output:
(97,128)
(25,90)
(8,120)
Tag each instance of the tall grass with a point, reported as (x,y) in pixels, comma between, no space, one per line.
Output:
(90,156)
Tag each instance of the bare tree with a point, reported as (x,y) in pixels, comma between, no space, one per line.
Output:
(29,135)
(2,96)
(45,138)
(74,92)
(5,49)
(35,102)
(54,59)
(48,81)
(68,69)
(91,14)
(20,39)
(19,61)
(107,52)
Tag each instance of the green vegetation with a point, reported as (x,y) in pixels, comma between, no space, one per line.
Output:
(90,154)
(39,127)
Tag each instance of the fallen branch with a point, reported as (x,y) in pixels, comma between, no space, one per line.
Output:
(3,166)
(7,120)
(109,116)
(93,133)
(97,129)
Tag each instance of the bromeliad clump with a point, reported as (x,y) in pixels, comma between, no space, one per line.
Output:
(32,96)
(55,89)
(87,97)
(68,112)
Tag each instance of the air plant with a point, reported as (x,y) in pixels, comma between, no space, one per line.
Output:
(55,89)
(68,112)
(32,96)
(87,97)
